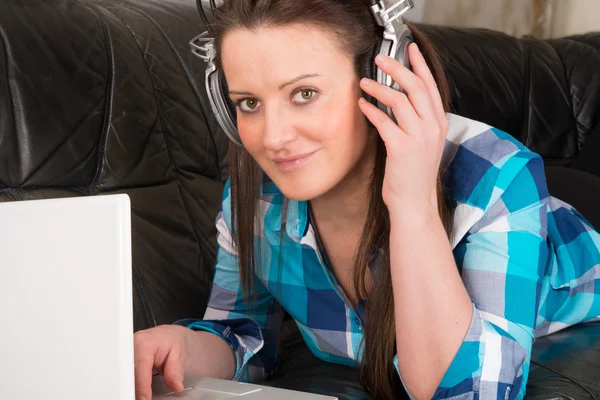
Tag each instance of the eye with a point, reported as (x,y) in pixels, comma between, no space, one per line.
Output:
(304,96)
(249,105)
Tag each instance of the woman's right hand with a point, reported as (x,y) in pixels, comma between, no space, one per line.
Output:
(174,352)
(165,350)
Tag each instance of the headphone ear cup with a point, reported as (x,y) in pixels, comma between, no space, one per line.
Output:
(369,68)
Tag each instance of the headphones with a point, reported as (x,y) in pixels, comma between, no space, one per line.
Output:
(396,38)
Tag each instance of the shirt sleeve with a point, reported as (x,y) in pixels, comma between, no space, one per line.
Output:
(502,261)
(250,328)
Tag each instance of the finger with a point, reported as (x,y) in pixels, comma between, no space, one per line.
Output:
(413,86)
(405,114)
(173,370)
(421,69)
(143,377)
(388,130)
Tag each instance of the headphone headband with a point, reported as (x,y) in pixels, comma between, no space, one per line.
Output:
(388,12)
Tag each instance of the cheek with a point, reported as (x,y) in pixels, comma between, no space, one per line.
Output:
(343,122)
(250,133)
(351,133)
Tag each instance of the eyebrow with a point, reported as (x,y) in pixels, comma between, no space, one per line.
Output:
(282,86)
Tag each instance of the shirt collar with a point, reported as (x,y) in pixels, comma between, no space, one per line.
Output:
(296,219)
(296,216)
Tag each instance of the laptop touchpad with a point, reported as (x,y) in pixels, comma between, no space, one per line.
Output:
(204,389)
(231,387)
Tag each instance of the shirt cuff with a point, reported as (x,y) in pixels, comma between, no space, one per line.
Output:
(462,377)
(243,335)
(489,364)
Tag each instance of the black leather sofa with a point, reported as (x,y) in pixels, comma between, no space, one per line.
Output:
(104,96)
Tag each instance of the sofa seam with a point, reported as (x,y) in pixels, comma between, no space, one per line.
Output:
(138,283)
(4,39)
(570,96)
(183,69)
(160,121)
(527,92)
(109,94)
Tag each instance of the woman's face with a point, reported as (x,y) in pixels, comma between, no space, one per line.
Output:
(297,97)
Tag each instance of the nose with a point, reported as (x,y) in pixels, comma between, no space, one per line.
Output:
(279,129)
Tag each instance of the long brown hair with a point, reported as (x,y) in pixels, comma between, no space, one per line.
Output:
(354,26)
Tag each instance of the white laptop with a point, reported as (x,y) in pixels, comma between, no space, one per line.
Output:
(66,306)
(66,299)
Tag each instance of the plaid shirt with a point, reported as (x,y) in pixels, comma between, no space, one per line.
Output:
(529,262)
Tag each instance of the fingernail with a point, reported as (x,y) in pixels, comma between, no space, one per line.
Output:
(362,100)
(380,58)
(142,398)
(365,81)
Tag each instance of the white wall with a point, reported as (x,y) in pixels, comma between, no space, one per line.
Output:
(514,17)
(416,14)
(511,16)
(576,16)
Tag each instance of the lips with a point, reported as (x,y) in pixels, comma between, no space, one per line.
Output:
(294,162)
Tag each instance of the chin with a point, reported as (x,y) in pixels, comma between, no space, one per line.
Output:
(301,187)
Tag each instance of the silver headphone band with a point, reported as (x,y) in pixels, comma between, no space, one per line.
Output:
(388,13)
(203,46)
(219,106)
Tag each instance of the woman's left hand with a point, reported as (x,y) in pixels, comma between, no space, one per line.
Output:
(415,144)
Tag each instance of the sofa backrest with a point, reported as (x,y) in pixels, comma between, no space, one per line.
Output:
(543,92)
(104,96)
(100,97)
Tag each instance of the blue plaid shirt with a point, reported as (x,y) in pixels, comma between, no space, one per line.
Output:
(529,262)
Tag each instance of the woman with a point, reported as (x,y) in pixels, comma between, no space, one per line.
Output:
(341,221)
